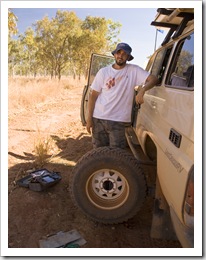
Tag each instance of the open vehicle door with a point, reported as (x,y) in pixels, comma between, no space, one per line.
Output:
(97,62)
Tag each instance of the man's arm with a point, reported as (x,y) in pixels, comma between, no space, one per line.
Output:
(150,82)
(91,104)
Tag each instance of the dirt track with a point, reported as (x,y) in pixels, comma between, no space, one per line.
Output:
(35,215)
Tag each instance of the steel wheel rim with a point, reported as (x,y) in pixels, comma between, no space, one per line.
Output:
(107,189)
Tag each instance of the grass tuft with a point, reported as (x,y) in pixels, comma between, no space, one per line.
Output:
(41,150)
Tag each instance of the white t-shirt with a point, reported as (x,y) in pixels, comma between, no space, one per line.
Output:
(116,89)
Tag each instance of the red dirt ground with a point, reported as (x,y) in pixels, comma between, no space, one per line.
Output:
(35,215)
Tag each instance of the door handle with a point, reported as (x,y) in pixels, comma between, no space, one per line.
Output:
(153,104)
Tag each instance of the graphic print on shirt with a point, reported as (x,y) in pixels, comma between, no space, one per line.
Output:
(111,81)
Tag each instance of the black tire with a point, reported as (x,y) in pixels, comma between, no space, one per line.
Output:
(108,185)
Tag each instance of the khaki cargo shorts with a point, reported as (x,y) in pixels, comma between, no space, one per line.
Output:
(109,133)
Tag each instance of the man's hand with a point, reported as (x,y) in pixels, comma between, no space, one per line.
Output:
(89,125)
(92,99)
(140,96)
(149,83)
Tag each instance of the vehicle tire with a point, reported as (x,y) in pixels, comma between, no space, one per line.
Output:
(108,185)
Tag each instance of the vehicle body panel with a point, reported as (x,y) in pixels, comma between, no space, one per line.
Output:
(169,109)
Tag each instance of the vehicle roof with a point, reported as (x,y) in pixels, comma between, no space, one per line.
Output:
(167,16)
(175,20)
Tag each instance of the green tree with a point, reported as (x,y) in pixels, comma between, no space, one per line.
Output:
(62,44)
(14,57)
(12,45)
(12,23)
(56,40)
(29,60)
(98,35)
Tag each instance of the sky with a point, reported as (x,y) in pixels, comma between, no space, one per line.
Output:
(136,29)
(135,17)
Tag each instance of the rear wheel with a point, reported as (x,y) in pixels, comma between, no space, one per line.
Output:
(108,185)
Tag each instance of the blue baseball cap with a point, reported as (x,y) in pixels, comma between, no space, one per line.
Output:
(125,47)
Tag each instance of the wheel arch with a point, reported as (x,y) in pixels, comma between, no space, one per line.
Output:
(150,148)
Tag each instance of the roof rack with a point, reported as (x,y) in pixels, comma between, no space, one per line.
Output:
(175,19)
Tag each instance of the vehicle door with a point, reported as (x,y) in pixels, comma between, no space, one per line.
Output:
(168,114)
(97,62)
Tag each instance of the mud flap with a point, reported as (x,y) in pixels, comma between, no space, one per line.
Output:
(162,227)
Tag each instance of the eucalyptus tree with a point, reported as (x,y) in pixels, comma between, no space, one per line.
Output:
(12,45)
(29,61)
(12,23)
(56,40)
(62,44)
(66,42)
(98,36)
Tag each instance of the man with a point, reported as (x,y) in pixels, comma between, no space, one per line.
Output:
(111,98)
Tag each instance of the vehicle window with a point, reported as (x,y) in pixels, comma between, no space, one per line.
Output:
(97,62)
(182,70)
(160,63)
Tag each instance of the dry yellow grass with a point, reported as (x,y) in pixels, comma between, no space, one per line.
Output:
(41,150)
(28,93)
(24,93)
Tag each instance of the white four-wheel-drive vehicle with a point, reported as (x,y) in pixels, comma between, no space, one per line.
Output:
(110,185)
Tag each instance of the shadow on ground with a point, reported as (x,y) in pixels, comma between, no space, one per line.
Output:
(33,216)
